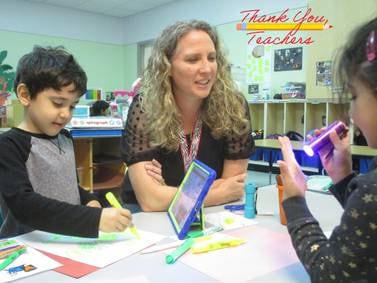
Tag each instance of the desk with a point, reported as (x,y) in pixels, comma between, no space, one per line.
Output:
(152,268)
(357,151)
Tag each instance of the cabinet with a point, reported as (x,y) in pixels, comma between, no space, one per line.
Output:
(98,160)
(301,116)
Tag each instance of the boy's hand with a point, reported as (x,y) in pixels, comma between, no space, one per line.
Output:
(114,219)
(294,180)
(94,203)
(154,170)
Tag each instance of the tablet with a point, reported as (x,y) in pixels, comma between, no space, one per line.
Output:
(188,200)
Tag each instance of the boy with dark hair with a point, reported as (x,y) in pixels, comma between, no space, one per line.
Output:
(39,188)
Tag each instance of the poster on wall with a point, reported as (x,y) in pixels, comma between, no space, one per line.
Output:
(288,59)
(323,73)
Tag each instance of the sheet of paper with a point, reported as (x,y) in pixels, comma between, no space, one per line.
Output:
(33,257)
(71,267)
(228,220)
(100,252)
(265,251)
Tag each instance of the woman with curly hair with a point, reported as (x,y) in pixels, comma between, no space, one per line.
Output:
(188,108)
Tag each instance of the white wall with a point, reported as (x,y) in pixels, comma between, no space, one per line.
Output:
(149,24)
(42,19)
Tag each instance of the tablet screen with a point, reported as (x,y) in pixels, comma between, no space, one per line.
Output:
(189,195)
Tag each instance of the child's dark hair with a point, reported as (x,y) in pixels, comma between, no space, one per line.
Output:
(98,107)
(49,67)
(353,62)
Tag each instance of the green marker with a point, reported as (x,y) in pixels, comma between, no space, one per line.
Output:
(115,203)
(11,258)
(178,252)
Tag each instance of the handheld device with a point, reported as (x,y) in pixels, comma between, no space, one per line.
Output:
(323,139)
(188,200)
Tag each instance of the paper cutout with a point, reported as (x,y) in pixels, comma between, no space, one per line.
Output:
(31,256)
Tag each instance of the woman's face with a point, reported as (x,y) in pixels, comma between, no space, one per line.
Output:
(193,66)
(363,110)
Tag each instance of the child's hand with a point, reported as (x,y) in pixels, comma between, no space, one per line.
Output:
(154,170)
(337,162)
(114,219)
(94,203)
(294,180)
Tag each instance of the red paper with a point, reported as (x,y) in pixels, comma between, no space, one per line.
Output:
(71,267)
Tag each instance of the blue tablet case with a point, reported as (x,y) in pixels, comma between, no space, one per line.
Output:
(185,208)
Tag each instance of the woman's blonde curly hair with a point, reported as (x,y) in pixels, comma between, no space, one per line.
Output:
(223,110)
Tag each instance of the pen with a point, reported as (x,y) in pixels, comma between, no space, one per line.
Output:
(115,203)
(178,252)
(205,232)
(7,251)
(11,258)
(234,207)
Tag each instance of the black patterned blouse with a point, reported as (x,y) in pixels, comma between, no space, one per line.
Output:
(350,254)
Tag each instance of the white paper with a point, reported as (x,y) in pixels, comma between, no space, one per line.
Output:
(31,256)
(228,220)
(100,252)
(264,252)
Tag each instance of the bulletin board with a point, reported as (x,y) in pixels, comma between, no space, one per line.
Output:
(288,59)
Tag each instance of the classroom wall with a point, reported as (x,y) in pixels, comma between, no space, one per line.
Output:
(43,19)
(345,16)
(259,70)
(215,12)
(97,59)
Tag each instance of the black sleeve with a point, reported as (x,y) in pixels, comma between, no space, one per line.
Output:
(240,146)
(350,254)
(33,209)
(86,196)
(341,190)
(135,144)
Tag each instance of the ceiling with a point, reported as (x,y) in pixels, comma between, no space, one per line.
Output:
(115,8)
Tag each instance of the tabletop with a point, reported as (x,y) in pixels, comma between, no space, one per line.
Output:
(152,267)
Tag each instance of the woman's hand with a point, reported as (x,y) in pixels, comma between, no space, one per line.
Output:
(294,181)
(232,188)
(337,161)
(154,170)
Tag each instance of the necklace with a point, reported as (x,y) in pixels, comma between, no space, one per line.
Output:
(189,154)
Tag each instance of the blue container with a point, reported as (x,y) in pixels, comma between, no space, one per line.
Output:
(249,211)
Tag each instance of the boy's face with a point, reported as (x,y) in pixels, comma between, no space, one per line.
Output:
(50,110)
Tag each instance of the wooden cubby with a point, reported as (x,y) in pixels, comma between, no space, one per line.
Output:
(274,119)
(257,114)
(301,116)
(98,163)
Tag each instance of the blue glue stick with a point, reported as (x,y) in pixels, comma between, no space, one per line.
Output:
(250,200)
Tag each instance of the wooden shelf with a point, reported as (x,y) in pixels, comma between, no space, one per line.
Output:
(105,159)
(107,178)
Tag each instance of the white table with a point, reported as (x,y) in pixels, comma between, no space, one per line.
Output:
(152,267)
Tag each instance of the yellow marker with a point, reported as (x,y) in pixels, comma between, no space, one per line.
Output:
(115,203)
(203,247)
